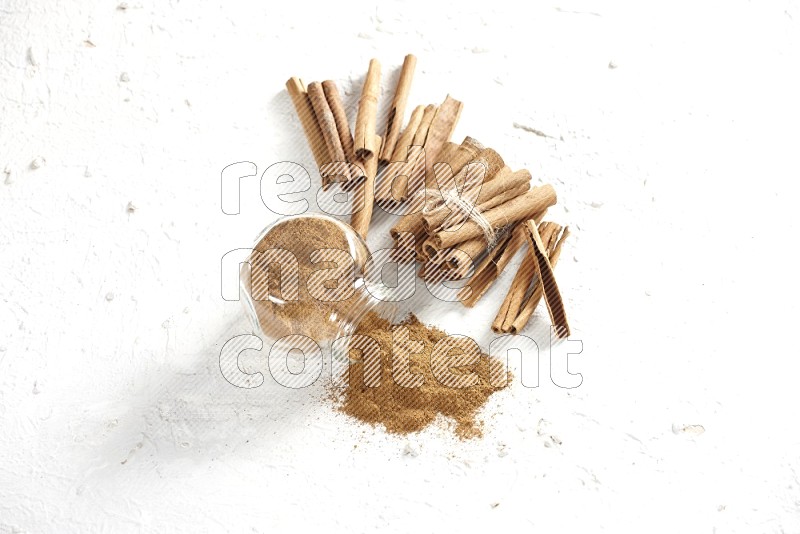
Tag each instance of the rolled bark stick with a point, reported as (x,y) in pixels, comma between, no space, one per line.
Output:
(477,246)
(361,218)
(422,132)
(411,249)
(446,168)
(492,164)
(515,297)
(407,138)
(407,225)
(490,268)
(446,222)
(505,196)
(436,268)
(398,108)
(403,188)
(516,293)
(396,190)
(495,162)
(472,248)
(544,270)
(327,125)
(305,112)
(521,286)
(454,260)
(413,221)
(340,116)
(368,112)
(441,129)
(524,315)
(429,249)
(448,151)
(497,324)
(455,199)
(467,151)
(404,224)
(493,193)
(520,208)
(460,258)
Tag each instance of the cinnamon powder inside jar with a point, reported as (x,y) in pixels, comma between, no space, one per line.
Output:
(278,313)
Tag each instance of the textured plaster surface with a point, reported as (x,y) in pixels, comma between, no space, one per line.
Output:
(669,131)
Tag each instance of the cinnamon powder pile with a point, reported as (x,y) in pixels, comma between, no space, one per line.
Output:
(404,410)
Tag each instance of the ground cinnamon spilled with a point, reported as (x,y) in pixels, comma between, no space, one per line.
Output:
(403,410)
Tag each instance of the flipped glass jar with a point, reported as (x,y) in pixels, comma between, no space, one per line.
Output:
(307,277)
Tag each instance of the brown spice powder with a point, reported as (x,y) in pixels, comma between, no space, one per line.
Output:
(404,410)
(307,315)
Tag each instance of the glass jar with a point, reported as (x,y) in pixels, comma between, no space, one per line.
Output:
(298,298)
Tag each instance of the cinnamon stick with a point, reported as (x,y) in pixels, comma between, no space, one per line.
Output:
(491,266)
(407,138)
(526,290)
(394,189)
(413,222)
(365,196)
(305,112)
(414,180)
(436,268)
(515,298)
(340,117)
(517,209)
(408,225)
(477,246)
(398,107)
(441,129)
(367,113)
(441,221)
(429,249)
(516,293)
(327,125)
(492,193)
(554,252)
(422,132)
(505,196)
(492,163)
(544,270)
(467,151)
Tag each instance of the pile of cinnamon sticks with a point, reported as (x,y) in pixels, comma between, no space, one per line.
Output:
(503,212)
(467,212)
(353,158)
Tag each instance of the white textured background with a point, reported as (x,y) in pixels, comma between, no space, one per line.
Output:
(676,170)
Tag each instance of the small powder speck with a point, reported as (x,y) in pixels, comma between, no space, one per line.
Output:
(32,57)
(109,296)
(411,448)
